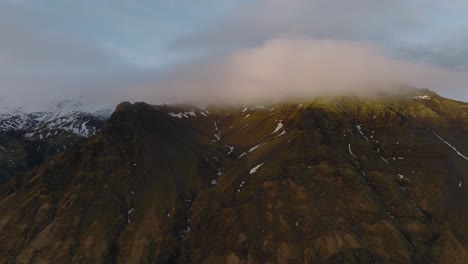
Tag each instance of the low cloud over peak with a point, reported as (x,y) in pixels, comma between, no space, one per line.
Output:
(293,67)
(227,51)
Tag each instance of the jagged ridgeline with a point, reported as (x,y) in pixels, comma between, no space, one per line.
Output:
(327,180)
(27,139)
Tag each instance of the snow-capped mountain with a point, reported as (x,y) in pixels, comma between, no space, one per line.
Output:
(13,119)
(26,139)
(66,116)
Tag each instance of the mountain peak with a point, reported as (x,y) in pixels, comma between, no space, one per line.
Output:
(263,181)
(67,115)
(68,106)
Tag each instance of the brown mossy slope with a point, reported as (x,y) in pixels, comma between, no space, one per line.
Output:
(78,206)
(331,180)
(19,154)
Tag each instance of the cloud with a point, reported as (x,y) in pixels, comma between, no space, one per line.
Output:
(264,20)
(263,50)
(279,68)
(295,67)
(23,49)
(37,64)
(426,31)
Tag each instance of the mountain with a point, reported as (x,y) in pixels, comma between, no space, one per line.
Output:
(26,139)
(68,116)
(326,180)
(14,119)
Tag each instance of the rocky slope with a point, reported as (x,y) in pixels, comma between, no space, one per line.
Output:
(26,139)
(329,180)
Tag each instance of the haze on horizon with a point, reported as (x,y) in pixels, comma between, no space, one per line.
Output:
(227,51)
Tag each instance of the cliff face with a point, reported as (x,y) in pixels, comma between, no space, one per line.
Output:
(330,180)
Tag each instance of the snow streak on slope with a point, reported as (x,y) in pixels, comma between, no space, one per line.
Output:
(351,151)
(278,127)
(231,149)
(257,147)
(452,147)
(254,169)
(185,114)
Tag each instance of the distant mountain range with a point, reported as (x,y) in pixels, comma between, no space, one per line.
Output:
(322,180)
(65,116)
(26,139)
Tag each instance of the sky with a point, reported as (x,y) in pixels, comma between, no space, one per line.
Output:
(169,51)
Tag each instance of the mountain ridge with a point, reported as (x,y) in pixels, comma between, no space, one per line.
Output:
(326,180)
(66,115)
(26,139)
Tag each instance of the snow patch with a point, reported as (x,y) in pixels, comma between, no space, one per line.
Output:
(448,144)
(259,107)
(231,149)
(240,187)
(257,147)
(254,169)
(384,159)
(359,127)
(282,133)
(218,132)
(182,115)
(351,151)
(278,127)
(423,97)
(128,215)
